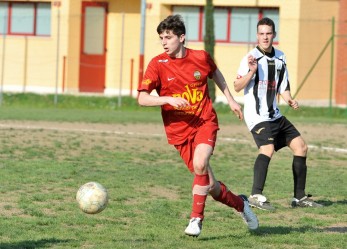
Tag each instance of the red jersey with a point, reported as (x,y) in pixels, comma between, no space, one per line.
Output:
(186,78)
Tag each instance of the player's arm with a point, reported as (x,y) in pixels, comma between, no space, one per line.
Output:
(289,100)
(145,99)
(222,85)
(241,82)
(151,78)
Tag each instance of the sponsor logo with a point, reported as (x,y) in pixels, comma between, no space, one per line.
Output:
(192,95)
(166,60)
(270,139)
(197,75)
(259,130)
(169,79)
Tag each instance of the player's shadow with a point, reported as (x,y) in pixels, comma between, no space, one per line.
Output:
(32,244)
(268,230)
(327,203)
(282,230)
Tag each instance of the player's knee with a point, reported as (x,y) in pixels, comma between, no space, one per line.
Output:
(200,167)
(302,149)
(267,150)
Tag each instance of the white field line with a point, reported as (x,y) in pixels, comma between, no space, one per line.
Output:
(33,127)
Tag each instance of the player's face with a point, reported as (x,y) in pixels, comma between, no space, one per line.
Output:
(172,44)
(265,37)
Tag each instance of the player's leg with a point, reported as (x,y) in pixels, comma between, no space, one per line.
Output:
(196,158)
(299,167)
(261,165)
(291,136)
(201,182)
(263,137)
(221,193)
(200,188)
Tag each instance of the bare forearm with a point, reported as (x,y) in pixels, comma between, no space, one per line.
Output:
(286,95)
(241,83)
(146,99)
(222,85)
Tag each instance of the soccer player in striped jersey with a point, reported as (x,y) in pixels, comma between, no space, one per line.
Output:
(179,77)
(263,75)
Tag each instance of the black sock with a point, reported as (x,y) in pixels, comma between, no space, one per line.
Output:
(260,172)
(299,174)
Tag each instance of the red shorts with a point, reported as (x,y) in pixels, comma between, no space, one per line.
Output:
(206,134)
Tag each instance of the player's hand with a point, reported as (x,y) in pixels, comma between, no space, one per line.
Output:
(237,110)
(293,104)
(178,102)
(252,63)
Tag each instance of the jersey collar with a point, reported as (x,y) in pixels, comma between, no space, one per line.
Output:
(271,54)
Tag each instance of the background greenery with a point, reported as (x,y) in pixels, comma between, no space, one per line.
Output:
(107,109)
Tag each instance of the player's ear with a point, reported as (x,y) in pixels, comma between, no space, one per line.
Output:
(182,38)
(275,34)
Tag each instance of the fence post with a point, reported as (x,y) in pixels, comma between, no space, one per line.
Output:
(3,60)
(331,63)
(121,64)
(58,52)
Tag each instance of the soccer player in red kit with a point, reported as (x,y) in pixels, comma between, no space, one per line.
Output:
(179,77)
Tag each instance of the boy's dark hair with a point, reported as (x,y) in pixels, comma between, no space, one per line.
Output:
(174,23)
(267,21)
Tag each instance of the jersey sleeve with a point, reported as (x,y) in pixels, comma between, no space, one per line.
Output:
(243,68)
(150,80)
(284,78)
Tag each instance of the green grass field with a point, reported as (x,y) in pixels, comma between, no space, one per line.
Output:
(47,152)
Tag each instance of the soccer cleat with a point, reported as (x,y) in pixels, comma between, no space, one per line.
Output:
(248,216)
(194,227)
(305,202)
(261,202)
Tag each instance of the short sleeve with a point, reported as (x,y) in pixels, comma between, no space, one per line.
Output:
(243,68)
(150,79)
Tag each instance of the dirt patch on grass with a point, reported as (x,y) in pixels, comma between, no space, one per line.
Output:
(317,135)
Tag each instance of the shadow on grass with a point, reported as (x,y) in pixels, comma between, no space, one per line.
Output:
(32,244)
(335,229)
(327,203)
(265,230)
(209,238)
(279,230)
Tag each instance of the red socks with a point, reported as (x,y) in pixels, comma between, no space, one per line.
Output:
(228,198)
(201,186)
(201,189)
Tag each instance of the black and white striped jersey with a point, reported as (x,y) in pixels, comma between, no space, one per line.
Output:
(271,79)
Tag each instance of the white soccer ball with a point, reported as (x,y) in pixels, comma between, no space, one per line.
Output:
(92,198)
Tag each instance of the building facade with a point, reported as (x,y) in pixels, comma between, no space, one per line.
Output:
(96,47)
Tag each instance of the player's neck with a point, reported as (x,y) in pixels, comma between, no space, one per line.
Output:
(267,50)
(181,53)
